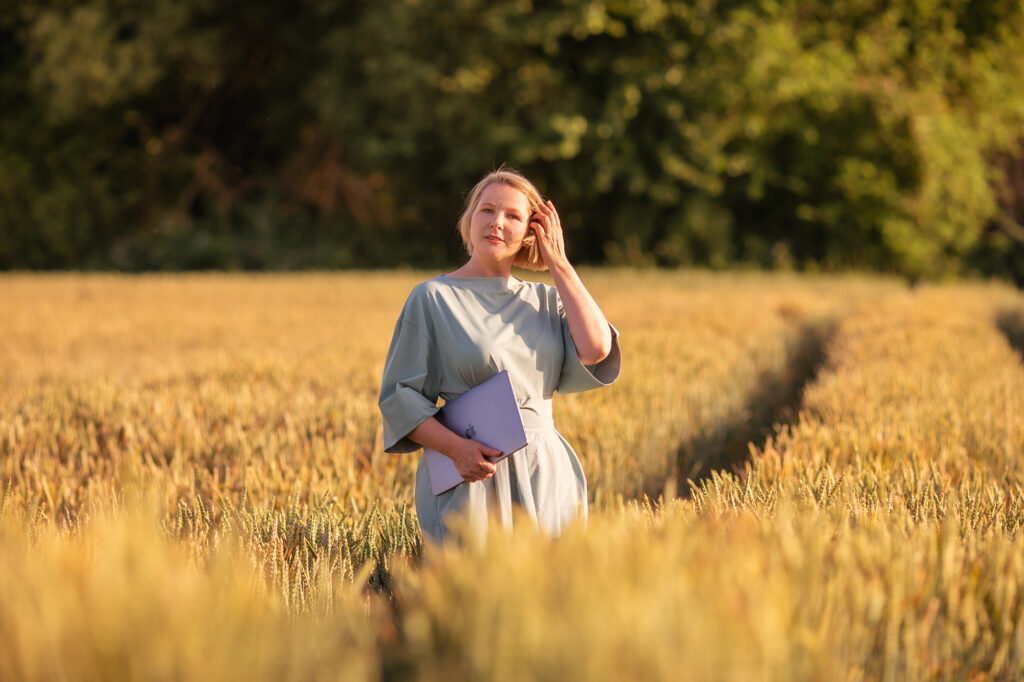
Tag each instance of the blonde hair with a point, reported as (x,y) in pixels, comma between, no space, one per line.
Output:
(529,256)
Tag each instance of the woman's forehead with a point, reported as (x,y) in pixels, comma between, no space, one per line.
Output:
(506,196)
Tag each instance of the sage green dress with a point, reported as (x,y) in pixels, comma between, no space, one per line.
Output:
(452,334)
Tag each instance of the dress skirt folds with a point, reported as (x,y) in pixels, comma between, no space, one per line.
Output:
(454,333)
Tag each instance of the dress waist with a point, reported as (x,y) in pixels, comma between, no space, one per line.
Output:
(536,414)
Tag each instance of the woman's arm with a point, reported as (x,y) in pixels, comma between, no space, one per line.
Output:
(467,455)
(590,331)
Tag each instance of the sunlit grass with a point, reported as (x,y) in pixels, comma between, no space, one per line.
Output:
(875,535)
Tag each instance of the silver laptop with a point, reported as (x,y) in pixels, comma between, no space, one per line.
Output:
(487,413)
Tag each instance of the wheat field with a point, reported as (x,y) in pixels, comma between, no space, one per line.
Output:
(795,477)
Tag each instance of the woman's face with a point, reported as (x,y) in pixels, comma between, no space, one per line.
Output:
(499,222)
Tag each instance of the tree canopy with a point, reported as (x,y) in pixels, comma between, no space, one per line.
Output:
(201,133)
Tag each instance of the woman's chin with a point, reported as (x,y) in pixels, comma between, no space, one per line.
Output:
(494,250)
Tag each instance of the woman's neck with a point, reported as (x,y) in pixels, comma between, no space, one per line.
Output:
(475,268)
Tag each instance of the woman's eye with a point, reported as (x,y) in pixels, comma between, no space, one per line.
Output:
(485,210)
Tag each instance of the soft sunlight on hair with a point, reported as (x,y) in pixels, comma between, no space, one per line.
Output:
(529,256)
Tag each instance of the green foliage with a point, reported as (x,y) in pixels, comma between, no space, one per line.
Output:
(196,134)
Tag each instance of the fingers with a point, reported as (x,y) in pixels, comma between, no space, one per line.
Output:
(540,219)
(546,211)
(480,471)
(542,227)
(545,222)
(549,210)
(479,467)
(485,450)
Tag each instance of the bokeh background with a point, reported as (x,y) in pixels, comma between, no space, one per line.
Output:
(808,135)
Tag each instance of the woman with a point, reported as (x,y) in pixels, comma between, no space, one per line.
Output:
(459,329)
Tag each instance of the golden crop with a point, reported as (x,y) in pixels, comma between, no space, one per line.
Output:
(194,486)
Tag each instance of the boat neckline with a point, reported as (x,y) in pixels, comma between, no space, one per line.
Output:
(504,282)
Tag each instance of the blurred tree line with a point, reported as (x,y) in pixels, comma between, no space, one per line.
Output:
(219,133)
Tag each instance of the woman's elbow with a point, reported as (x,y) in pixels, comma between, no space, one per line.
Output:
(598,352)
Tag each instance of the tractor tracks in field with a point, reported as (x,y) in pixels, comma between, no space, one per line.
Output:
(1011,323)
(775,402)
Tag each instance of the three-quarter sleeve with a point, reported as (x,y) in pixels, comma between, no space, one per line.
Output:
(576,376)
(409,389)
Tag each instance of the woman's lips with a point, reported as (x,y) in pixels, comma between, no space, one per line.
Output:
(493,239)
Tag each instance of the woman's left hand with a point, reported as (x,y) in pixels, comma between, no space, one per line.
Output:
(547,228)
(590,331)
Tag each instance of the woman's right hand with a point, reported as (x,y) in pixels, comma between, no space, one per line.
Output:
(470,460)
(468,455)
